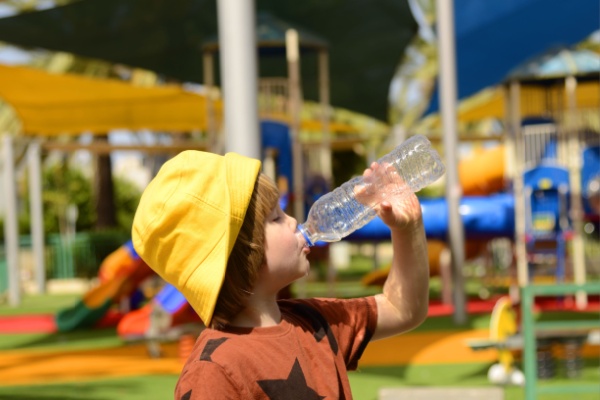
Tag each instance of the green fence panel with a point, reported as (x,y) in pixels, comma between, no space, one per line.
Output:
(530,326)
(3,272)
(81,255)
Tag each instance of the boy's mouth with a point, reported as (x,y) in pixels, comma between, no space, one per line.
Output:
(300,238)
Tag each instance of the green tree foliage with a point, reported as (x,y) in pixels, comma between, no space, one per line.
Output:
(63,186)
(127,197)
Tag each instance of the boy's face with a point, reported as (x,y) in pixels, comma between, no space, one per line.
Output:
(285,251)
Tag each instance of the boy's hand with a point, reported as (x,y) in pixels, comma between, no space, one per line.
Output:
(398,206)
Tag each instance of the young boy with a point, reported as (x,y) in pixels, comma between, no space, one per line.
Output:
(211,225)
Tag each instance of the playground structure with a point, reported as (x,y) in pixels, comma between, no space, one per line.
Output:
(119,276)
(490,177)
(178,110)
(488,217)
(543,344)
(547,213)
(162,317)
(168,314)
(174,108)
(551,183)
(552,141)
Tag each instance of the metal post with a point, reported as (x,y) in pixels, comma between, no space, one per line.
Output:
(37,214)
(529,343)
(447,79)
(11,230)
(239,66)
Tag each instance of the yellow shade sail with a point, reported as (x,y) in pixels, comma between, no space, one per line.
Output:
(489,103)
(52,104)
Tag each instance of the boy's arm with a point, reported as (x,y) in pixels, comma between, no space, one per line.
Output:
(404,303)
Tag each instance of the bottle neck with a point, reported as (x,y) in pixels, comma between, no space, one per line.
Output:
(309,237)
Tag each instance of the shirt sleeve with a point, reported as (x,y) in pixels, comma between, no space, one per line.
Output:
(204,380)
(352,322)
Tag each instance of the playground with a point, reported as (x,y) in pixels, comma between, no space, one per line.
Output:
(38,361)
(83,317)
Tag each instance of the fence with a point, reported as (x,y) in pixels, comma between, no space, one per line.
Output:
(65,258)
(532,328)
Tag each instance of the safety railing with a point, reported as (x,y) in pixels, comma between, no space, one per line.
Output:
(532,329)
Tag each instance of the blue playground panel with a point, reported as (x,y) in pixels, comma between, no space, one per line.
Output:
(590,171)
(170,299)
(277,135)
(483,217)
(545,204)
(547,225)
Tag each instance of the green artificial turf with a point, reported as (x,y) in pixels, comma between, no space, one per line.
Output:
(40,304)
(50,304)
(149,387)
(78,340)
(365,384)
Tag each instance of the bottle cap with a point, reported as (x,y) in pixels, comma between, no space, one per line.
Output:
(302,231)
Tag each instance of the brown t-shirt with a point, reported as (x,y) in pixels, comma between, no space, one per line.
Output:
(305,357)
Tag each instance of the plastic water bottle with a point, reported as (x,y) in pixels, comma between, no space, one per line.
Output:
(337,214)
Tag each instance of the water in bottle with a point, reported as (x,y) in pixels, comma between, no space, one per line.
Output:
(338,213)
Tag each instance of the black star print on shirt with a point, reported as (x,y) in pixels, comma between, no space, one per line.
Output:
(210,348)
(294,387)
(320,325)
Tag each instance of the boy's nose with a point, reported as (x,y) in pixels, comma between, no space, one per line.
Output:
(293,220)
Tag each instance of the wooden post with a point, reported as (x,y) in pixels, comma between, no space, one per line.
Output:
(37,213)
(324,100)
(514,110)
(575,165)
(209,85)
(11,230)
(295,101)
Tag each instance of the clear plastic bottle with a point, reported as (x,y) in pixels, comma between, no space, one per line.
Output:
(338,213)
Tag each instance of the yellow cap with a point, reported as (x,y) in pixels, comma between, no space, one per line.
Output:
(188,220)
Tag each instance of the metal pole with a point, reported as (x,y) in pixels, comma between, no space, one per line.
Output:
(447,82)
(37,214)
(529,342)
(11,230)
(237,42)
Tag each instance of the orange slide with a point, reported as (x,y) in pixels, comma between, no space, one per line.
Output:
(120,274)
(483,172)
